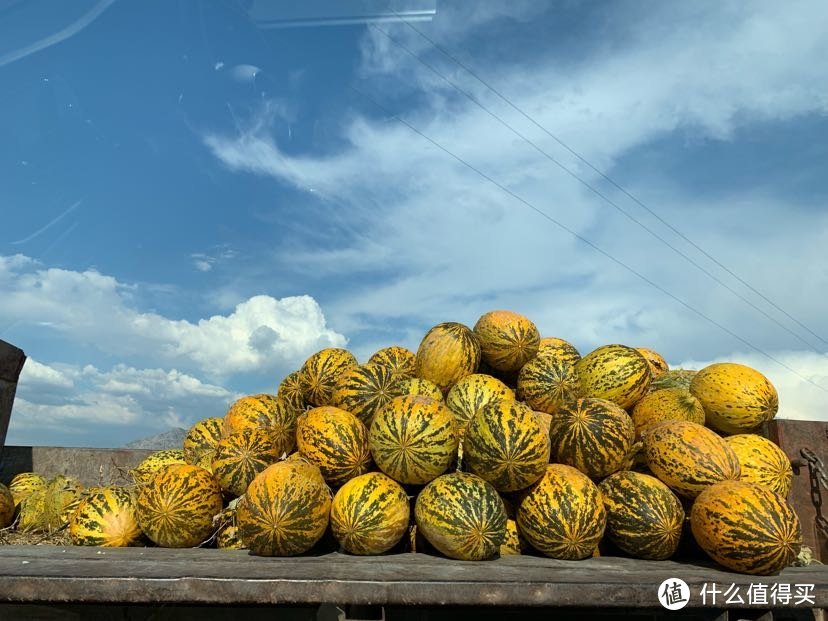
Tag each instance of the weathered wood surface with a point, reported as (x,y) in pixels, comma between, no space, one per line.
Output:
(144,575)
(90,466)
(11,363)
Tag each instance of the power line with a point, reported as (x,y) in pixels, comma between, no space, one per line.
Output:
(592,188)
(579,236)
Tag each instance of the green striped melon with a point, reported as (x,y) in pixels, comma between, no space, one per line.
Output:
(241,456)
(105,518)
(563,515)
(336,441)
(418,386)
(473,393)
(505,445)
(545,421)
(545,383)
(658,365)
(746,527)
(151,464)
(363,390)
(513,543)
(264,411)
(227,535)
(614,372)
(559,349)
(201,440)
(673,378)
(6,506)
(762,462)
(413,439)
(593,435)
(448,352)
(319,373)
(689,457)
(175,508)
(63,495)
(25,483)
(508,340)
(285,510)
(735,397)
(370,514)
(644,517)
(31,512)
(462,516)
(290,389)
(666,404)
(400,360)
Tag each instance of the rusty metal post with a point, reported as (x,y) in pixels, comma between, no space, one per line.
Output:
(11,363)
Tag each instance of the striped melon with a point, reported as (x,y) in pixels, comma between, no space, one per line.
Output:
(674,378)
(546,383)
(336,441)
(319,373)
(264,411)
(201,440)
(63,495)
(448,352)
(658,365)
(505,445)
(419,386)
(561,350)
(413,439)
(666,404)
(507,340)
(290,389)
(151,464)
(762,462)
(474,392)
(462,516)
(614,372)
(593,435)
(370,514)
(241,456)
(285,510)
(644,518)
(25,483)
(400,360)
(689,457)
(736,398)
(175,508)
(227,535)
(6,506)
(31,512)
(363,390)
(746,527)
(513,543)
(563,515)
(105,518)
(545,421)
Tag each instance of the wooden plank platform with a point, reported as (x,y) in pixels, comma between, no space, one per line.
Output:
(49,574)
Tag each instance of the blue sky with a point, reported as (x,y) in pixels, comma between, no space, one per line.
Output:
(192,203)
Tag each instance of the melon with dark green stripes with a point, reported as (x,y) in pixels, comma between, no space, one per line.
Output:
(363,390)
(105,518)
(448,352)
(545,383)
(614,372)
(370,514)
(290,389)
(644,517)
(241,456)
(336,441)
(746,527)
(6,506)
(24,483)
(666,404)
(474,392)
(673,378)
(285,510)
(175,509)
(506,445)
(151,464)
(763,462)
(227,536)
(513,543)
(735,397)
(593,435)
(563,515)
(319,374)
(400,360)
(508,340)
(658,365)
(201,440)
(413,439)
(418,386)
(264,411)
(558,348)
(462,516)
(689,457)
(31,512)
(63,495)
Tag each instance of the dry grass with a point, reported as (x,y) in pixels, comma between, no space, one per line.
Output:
(11,537)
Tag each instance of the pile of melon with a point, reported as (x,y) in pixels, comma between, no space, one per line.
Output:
(485,442)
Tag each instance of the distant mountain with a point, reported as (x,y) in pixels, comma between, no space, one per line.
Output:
(174,438)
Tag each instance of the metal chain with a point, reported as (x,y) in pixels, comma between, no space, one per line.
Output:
(818,479)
